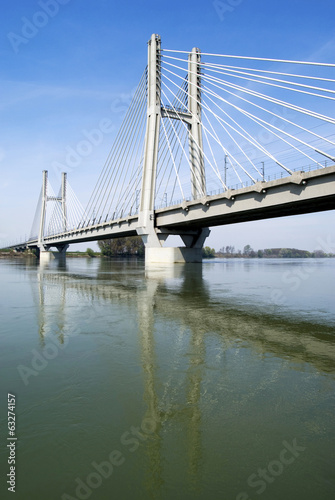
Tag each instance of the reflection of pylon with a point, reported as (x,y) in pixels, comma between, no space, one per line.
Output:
(51,292)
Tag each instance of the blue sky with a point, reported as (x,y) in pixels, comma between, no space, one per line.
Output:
(80,65)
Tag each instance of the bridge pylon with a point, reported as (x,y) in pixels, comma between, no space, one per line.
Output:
(152,237)
(43,248)
(198,178)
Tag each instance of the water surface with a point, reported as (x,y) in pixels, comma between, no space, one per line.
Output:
(188,382)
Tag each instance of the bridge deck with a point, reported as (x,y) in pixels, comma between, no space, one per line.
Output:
(302,192)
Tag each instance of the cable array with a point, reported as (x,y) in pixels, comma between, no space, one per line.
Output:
(117,191)
(60,220)
(36,221)
(268,118)
(259,120)
(171,156)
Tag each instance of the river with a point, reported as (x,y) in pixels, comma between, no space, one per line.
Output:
(211,381)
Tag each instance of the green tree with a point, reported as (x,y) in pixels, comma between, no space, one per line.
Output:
(319,254)
(247,250)
(90,252)
(208,253)
(131,245)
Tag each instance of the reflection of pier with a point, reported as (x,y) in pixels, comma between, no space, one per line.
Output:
(179,297)
(190,303)
(51,293)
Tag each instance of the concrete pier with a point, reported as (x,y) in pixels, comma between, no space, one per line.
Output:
(171,255)
(46,256)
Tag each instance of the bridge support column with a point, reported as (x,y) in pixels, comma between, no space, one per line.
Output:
(45,255)
(192,252)
(172,255)
(61,254)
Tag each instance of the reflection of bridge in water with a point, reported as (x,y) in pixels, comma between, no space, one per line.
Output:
(179,296)
(264,331)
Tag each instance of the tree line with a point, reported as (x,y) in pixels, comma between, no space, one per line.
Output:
(274,253)
(133,246)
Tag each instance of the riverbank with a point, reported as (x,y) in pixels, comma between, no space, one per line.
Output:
(268,253)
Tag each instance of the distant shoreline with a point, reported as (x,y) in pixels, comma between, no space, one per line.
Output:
(275,254)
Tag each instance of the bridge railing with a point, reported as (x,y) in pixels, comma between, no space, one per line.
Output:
(241,185)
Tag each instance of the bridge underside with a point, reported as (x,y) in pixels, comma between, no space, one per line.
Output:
(287,209)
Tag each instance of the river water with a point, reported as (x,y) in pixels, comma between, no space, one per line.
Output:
(211,381)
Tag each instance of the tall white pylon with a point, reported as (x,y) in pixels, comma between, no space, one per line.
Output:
(153,238)
(45,199)
(198,182)
(43,208)
(146,212)
(63,201)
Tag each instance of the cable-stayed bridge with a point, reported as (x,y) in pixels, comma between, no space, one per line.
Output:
(208,139)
